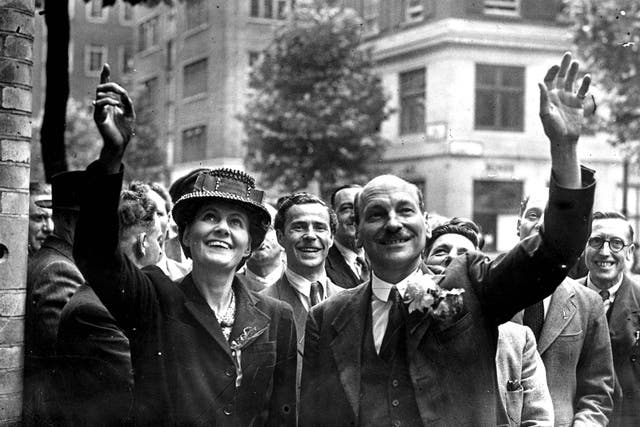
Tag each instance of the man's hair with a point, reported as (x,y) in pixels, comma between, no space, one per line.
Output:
(339,189)
(136,209)
(523,205)
(613,215)
(462,226)
(302,199)
(357,202)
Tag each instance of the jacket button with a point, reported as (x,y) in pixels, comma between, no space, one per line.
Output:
(395,402)
(228,372)
(396,423)
(395,383)
(228,409)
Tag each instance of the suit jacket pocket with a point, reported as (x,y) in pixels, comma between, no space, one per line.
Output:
(570,336)
(513,402)
(451,331)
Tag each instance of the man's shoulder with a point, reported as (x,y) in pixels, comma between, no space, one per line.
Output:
(274,291)
(335,303)
(85,303)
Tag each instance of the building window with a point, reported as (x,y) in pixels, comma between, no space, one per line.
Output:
(370,13)
(171,55)
(94,57)
(194,78)
(502,7)
(126,13)
(95,11)
(194,144)
(149,96)
(414,11)
(148,34)
(126,60)
(197,13)
(269,9)
(412,101)
(499,97)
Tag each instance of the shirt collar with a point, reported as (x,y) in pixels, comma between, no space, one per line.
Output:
(268,279)
(612,290)
(302,284)
(349,255)
(381,289)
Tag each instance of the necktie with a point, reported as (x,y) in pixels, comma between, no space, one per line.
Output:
(534,318)
(604,294)
(395,326)
(315,295)
(364,268)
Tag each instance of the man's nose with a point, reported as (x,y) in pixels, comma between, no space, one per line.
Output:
(310,234)
(48,225)
(448,259)
(393,224)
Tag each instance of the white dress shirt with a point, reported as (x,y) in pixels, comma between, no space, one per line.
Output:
(612,291)
(380,304)
(259,281)
(302,286)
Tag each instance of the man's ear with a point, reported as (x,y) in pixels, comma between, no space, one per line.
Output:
(427,226)
(518,227)
(630,252)
(141,245)
(280,238)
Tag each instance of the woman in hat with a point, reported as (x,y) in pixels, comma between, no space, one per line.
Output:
(205,351)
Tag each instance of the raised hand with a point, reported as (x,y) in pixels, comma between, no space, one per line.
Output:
(114,116)
(561,110)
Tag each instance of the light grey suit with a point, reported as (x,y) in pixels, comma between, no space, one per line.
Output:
(526,398)
(576,350)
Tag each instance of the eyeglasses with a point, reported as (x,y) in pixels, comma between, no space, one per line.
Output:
(615,244)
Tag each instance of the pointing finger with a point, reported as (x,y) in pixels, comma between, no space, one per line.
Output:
(571,77)
(550,76)
(564,67)
(104,75)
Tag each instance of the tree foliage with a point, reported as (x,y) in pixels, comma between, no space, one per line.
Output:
(607,36)
(316,107)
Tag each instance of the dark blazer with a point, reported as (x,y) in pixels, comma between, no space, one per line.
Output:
(339,271)
(96,363)
(185,371)
(283,291)
(52,278)
(576,350)
(624,328)
(451,364)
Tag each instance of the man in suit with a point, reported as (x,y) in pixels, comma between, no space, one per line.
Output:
(346,263)
(52,278)
(40,223)
(367,362)
(265,265)
(520,372)
(305,227)
(608,253)
(573,339)
(93,350)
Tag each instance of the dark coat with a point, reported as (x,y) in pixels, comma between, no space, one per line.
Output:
(52,279)
(96,363)
(185,372)
(624,329)
(339,271)
(575,348)
(451,364)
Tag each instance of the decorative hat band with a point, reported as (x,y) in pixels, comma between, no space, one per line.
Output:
(210,183)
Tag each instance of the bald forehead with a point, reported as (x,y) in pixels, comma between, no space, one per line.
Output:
(387,185)
(535,201)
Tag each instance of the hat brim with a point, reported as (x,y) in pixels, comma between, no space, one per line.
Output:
(185,206)
(44,203)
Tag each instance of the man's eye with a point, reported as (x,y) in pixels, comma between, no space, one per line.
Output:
(440,252)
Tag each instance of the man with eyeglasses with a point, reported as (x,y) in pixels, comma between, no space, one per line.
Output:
(572,338)
(608,253)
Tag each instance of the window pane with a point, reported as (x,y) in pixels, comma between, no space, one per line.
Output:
(499,97)
(268,8)
(282,9)
(194,144)
(511,106)
(255,8)
(96,9)
(485,109)
(512,77)
(197,13)
(485,75)
(412,101)
(195,78)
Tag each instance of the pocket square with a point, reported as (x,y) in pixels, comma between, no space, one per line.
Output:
(514,385)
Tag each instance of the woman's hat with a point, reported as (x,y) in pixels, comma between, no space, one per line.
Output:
(224,184)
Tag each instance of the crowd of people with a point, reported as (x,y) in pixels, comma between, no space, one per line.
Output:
(202,304)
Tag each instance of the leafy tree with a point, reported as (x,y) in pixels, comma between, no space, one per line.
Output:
(607,36)
(316,107)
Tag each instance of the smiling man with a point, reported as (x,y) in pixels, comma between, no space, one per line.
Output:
(305,227)
(346,263)
(367,362)
(608,254)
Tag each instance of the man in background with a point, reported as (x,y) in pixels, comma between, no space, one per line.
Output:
(40,223)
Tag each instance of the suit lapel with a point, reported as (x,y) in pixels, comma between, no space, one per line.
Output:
(349,326)
(562,308)
(339,264)
(287,294)
(203,314)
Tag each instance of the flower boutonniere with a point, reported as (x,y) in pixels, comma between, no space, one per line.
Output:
(426,296)
(248,335)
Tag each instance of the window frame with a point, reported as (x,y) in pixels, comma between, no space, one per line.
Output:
(402,97)
(148,39)
(204,12)
(494,8)
(276,10)
(88,50)
(410,11)
(198,156)
(498,91)
(123,6)
(104,12)
(185,65)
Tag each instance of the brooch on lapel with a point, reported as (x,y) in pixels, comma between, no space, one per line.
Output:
(426,296)
(248,335)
